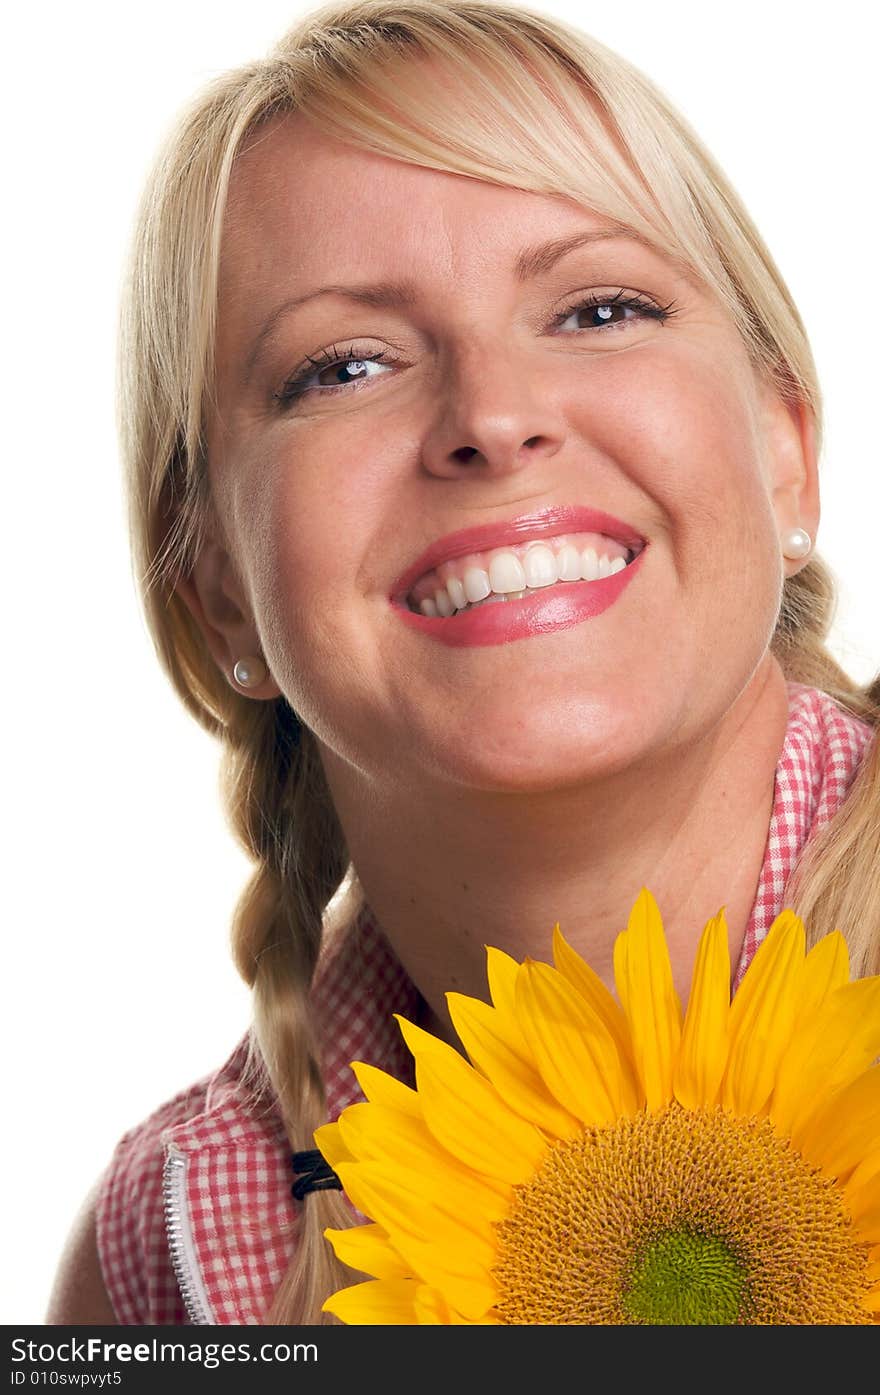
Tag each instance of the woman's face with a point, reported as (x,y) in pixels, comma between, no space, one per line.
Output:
(356,432)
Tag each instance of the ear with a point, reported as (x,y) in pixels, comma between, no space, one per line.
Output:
(793,469)
(216,599)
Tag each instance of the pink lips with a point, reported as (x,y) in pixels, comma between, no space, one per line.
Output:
(537,613)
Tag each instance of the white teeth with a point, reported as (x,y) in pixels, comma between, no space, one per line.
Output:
(589,564)
(511,577)
(506,573)
(476,584)
(456,592)
(569,563)
(540,566)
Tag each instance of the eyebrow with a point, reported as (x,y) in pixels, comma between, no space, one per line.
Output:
(403,295)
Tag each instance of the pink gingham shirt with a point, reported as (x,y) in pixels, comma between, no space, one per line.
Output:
(235,1163)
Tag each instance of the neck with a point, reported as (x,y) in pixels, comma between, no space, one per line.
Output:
(447,873)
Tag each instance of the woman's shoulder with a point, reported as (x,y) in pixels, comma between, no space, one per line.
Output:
(138,1153)
(216,1113)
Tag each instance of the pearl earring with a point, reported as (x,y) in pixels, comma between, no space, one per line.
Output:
(250,673)
(796,543)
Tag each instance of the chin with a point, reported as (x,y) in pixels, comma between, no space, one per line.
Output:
(544,749)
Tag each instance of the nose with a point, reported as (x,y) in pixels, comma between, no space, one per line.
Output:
(493,418)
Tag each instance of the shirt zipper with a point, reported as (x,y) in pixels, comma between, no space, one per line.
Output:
(180,1239)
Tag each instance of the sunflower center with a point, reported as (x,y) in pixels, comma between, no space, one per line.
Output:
(680,1217)
(685,1278)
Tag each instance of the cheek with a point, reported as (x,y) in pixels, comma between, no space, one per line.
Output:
(309,520)
(309,511)
(684,429)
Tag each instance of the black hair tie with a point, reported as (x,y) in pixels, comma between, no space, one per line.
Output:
(317,1174)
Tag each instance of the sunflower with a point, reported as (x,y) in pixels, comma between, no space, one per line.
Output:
(611,1160)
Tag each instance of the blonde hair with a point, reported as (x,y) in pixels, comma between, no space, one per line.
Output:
(540,107)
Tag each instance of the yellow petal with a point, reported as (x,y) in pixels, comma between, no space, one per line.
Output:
(826,967)
(840,1042)
(839,1134)
(871,1301)
(470,1295)
(572,1048)
(466,1114)
(382,1088)
(374,1133)
(433,1310)
(863,1187)
(329,1141)
(643,976)
(500,1057)
(502,971)
(378,1302)
(416,1209)
(867,1220)
(762,1017)
(443,1246)
(368,1249)
(588,983)
(503,974)
(703,1053)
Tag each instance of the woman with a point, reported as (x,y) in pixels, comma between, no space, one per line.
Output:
(472,441)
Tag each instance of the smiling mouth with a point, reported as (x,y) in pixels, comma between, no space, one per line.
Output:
(512,572)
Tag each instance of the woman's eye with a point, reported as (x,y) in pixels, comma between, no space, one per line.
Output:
(327,372)
(613,310)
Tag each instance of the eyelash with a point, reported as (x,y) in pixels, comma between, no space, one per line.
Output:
(293,390)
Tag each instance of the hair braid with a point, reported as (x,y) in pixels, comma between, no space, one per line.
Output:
(279,807)
(800,642)
(836,882)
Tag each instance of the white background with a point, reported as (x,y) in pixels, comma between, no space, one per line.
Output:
(120,874)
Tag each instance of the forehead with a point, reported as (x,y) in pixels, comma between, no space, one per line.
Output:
(301,202)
